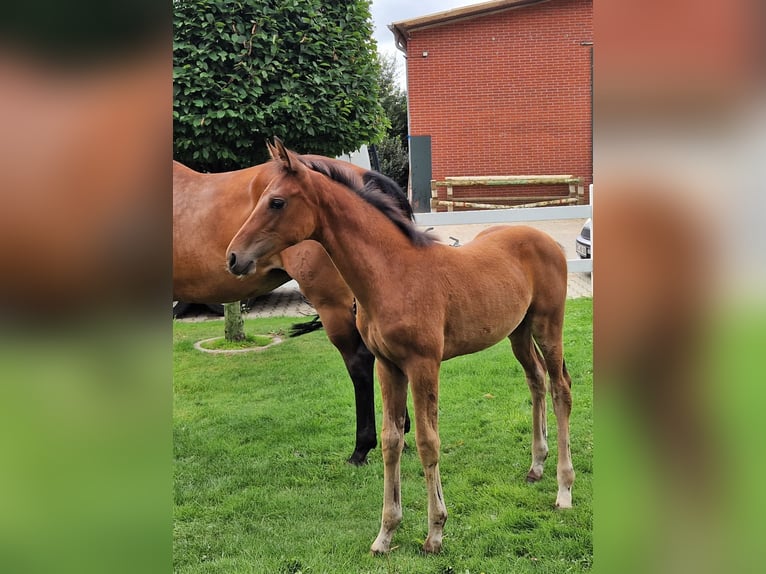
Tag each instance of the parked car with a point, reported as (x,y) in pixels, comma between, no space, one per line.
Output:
(583,242)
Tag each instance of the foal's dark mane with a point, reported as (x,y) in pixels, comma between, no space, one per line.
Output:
(380,191)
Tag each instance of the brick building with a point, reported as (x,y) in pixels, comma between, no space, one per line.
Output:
(499,88)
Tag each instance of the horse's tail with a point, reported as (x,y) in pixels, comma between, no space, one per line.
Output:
(564,369)
(298,329)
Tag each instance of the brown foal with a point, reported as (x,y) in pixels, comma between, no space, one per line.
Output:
(420,303)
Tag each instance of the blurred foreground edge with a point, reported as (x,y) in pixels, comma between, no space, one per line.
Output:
(85,101)
(85,216)
(678,285)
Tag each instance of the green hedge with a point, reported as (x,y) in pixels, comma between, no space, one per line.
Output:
(247,70)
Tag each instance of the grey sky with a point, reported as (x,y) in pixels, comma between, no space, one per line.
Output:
(384,12)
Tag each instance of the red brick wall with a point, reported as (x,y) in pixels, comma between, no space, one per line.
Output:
(506,94)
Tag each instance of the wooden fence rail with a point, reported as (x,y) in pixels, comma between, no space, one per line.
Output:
(576,191)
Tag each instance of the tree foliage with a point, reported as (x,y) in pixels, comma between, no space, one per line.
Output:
(394,160)
(393,149)
(393,99)
(246,70)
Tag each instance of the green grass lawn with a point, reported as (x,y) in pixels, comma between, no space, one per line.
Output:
(262,486)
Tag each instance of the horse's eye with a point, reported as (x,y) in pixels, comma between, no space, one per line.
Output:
(277,203)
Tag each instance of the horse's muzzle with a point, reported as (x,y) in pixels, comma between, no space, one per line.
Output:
(239,266)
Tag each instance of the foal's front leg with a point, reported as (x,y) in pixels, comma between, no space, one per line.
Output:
(393,386)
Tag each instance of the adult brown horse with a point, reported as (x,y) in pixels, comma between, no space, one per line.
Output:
(508,282)
(208,210)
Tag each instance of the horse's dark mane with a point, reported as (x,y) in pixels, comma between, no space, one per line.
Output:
(380,191)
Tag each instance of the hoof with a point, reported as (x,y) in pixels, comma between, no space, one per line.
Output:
(358,458)
(533,477)
(564,499)
(432,547)
(379,548)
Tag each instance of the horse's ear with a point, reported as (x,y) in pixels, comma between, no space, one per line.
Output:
(279,152)
(272,149)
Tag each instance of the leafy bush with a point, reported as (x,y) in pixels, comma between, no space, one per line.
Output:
(393,152)
(394,160)
(245,70)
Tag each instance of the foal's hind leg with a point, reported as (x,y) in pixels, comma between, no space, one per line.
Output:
(527,354)
(548,335)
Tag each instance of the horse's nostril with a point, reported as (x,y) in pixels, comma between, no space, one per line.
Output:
(232,260)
